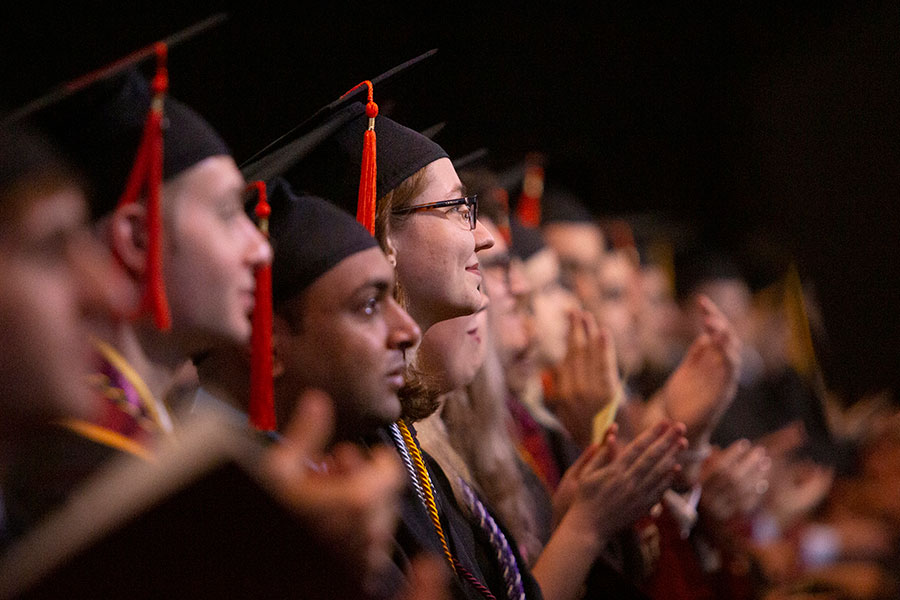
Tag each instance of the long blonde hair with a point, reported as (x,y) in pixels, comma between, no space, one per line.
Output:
(470,439)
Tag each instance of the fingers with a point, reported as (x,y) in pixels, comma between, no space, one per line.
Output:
(577,467)
(643,441)
(565,371)
(305,437)
(604,455)
(659,459)
(752,462)
(720,330)
(785,440)
(345,458)
(734,454)
(755,479)
(578,336)
(718,468)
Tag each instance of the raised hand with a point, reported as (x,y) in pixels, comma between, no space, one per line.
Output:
(606,490)
(568,485)
(618,486)
(735,481)
(348,499)
(702,387)
(587,380)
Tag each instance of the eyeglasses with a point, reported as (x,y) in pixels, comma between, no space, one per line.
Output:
(465,209)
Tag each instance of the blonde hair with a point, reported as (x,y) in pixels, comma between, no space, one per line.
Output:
(470,439)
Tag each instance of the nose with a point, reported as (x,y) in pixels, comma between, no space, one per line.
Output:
(403,332)
(483,237)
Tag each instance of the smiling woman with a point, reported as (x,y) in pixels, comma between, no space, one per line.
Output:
(423,220)
(435,258)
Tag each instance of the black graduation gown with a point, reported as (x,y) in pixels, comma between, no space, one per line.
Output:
(49,468)
(470,539)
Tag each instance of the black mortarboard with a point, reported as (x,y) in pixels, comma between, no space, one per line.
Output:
(332,168)
(127,138)
(97,120)
(309,237)
(560,205)
(100,131)
(526,241)
(323,155)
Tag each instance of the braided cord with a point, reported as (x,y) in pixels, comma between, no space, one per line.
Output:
(480,587)
(511,575)
(424,489)
(407,460)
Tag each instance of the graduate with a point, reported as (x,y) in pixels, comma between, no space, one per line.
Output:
(337,329)
(167,201)
(428,229)
(346,516)
(57,283)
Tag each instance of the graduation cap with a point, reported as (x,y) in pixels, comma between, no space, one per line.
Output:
(537,203)
(127,137)
(332,154)
(310,236)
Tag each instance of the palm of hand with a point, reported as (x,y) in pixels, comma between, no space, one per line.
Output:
(703,385)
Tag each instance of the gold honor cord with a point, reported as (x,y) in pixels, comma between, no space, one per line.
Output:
(425,480)
(107,437)
(156,409)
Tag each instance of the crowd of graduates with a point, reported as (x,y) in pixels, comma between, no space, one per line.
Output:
(431,379)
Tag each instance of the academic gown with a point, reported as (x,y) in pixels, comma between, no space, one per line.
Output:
(64,454)
(468,544)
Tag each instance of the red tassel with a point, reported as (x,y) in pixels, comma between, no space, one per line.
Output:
(368,192)
(147,173)
(365,207)
(529,207)
(262,396)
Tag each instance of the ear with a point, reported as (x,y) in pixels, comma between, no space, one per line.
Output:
(390,250)
(128,237)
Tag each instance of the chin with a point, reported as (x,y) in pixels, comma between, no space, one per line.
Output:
(389,413)
(241,332)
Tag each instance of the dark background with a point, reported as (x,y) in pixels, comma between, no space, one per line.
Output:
(758,125)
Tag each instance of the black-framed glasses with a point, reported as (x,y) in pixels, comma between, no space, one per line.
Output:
(466,208)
